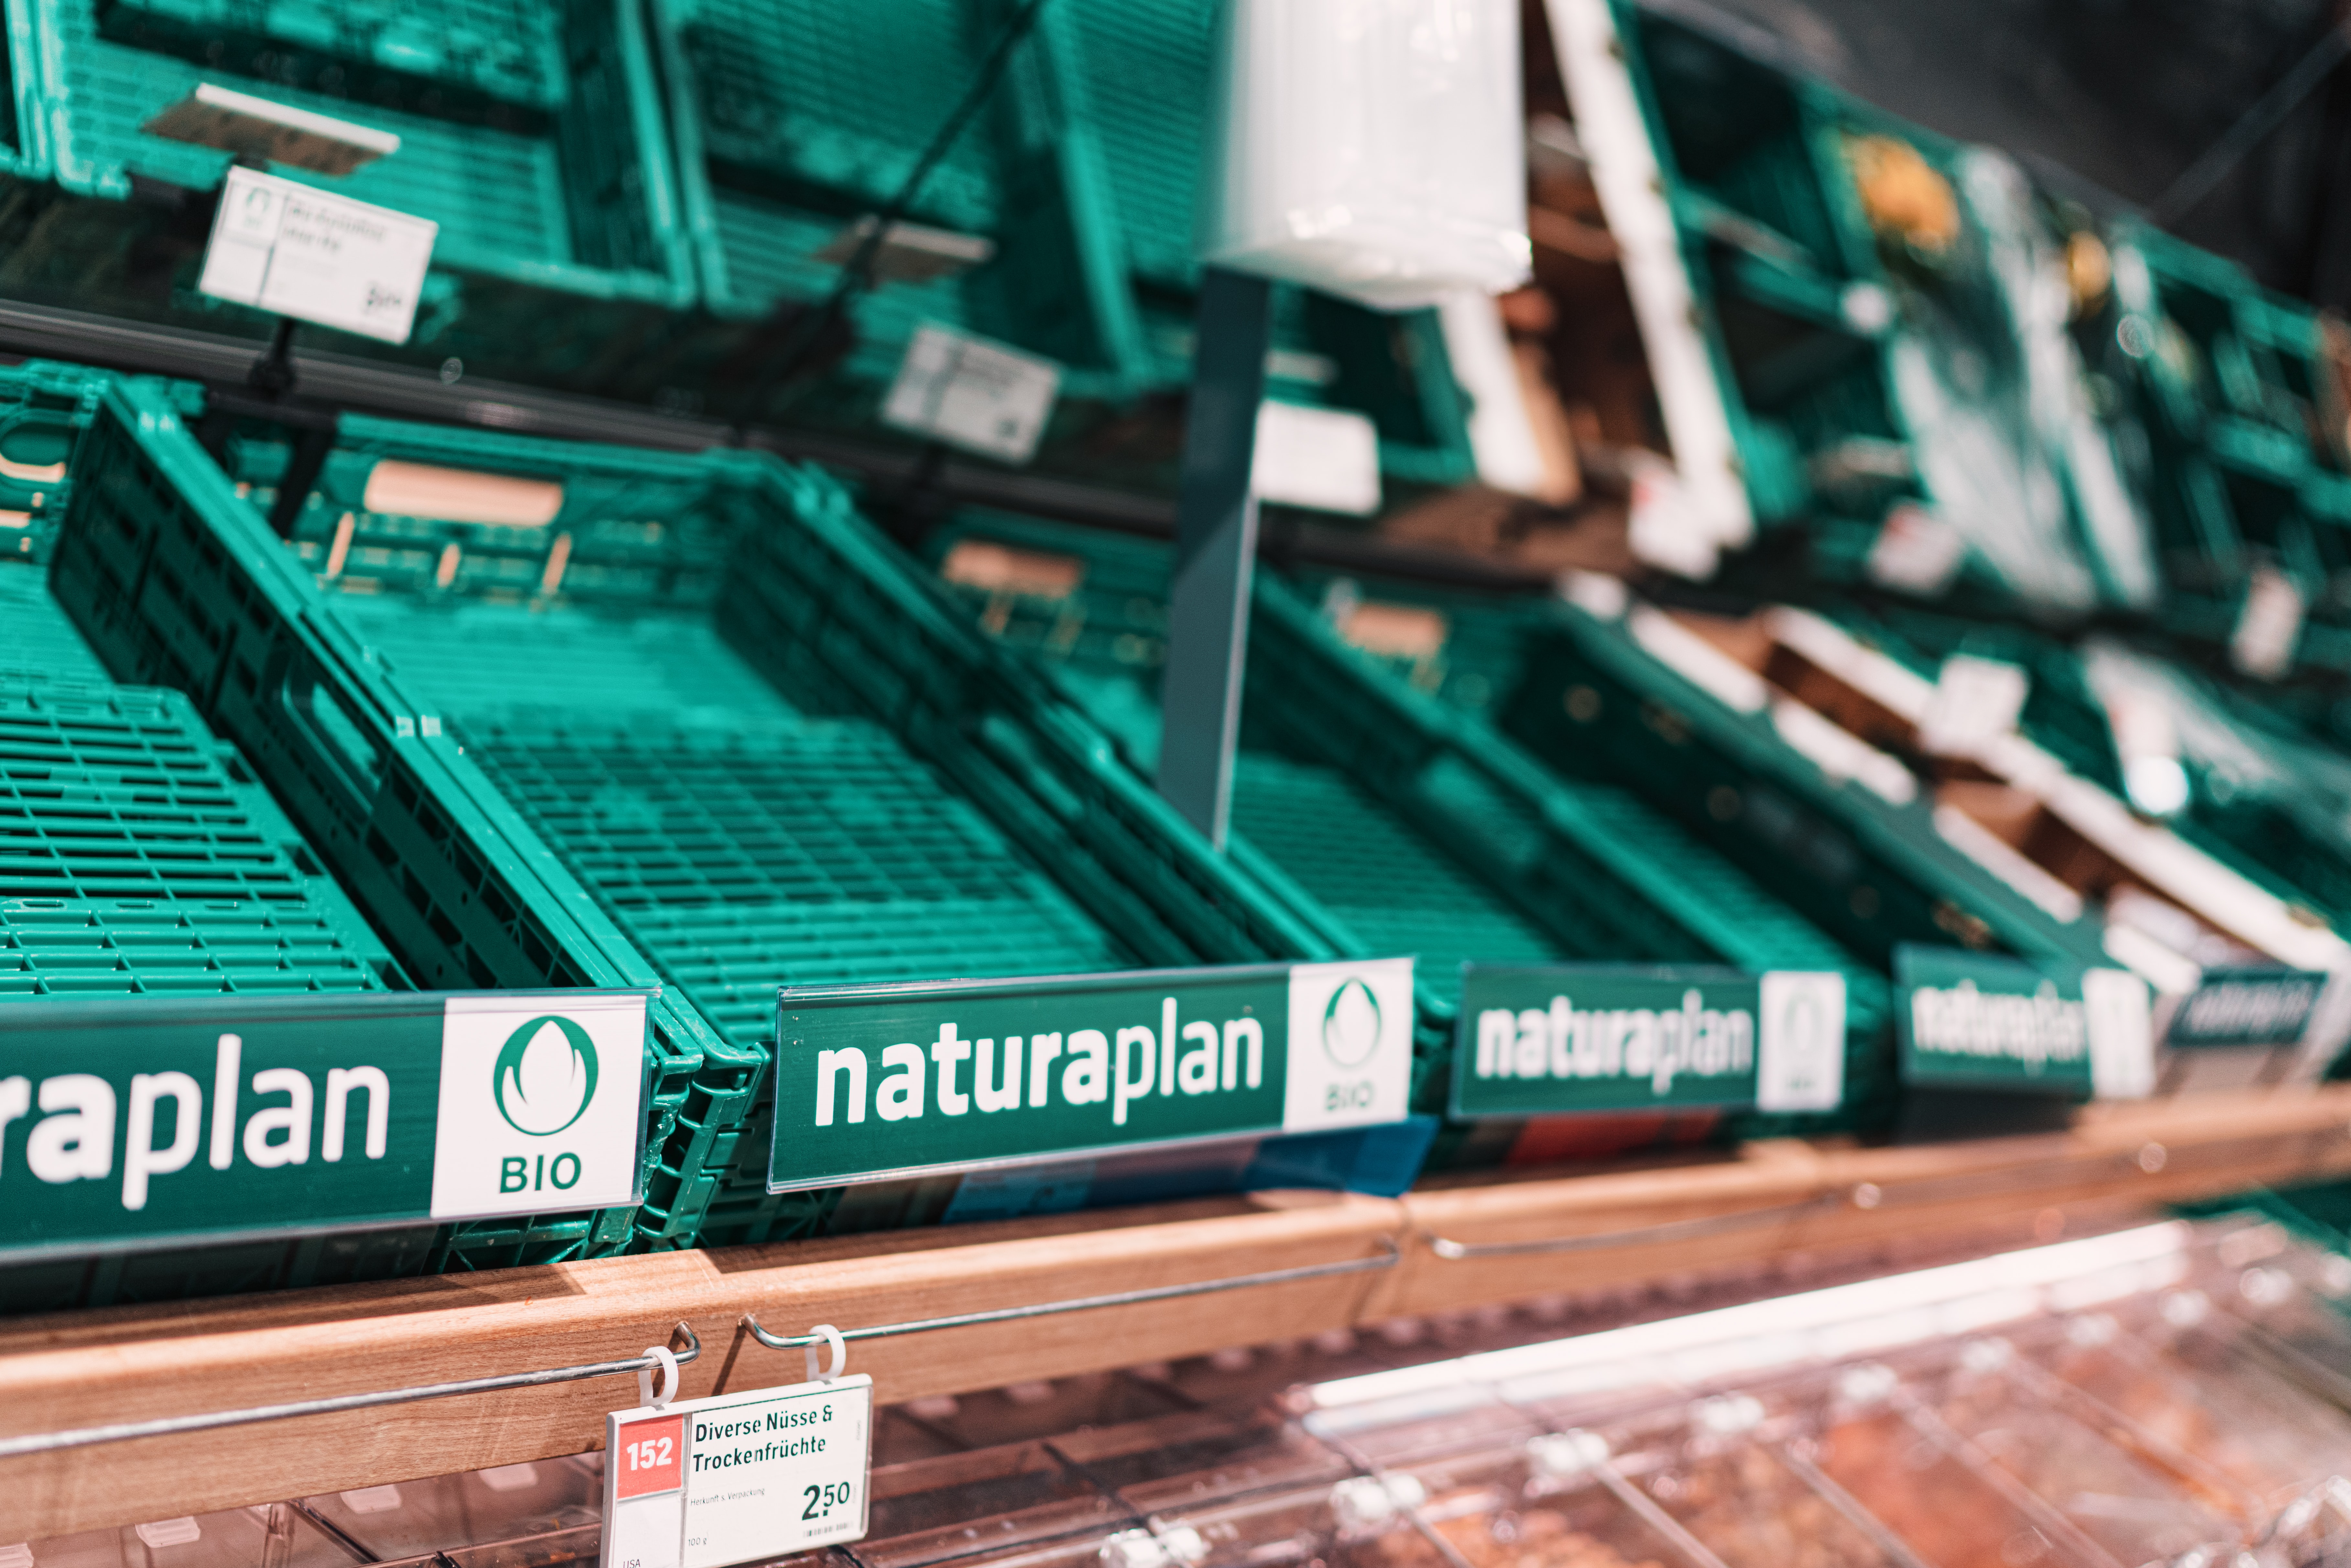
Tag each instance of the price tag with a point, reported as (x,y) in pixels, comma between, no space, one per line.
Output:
(297,251)
(705,1483)
(971,393)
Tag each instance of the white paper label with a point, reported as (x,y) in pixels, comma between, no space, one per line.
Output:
(2120,1015)
(2269,626)
(1916,552)
(973,394)
(704,1483)
(1975,701)
(539,1108)
(1350,1045)
(1326,458)
(301,252)
(1799,1044)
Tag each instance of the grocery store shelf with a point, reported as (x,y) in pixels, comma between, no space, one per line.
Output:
(328,383)
(131,1364)
(1780,1196)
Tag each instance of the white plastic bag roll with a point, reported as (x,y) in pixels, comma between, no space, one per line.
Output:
(1374,148)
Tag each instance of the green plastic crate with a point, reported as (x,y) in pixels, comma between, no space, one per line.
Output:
(759,745)
(1576,686)
(141,856)
(1392,822)
(794,118)
(511,50)
(1864,370)
(175,581)
(2232,384)
(2262,798)
(559,232)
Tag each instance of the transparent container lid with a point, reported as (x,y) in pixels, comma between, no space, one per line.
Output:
(469,1508)
(1735,1478)
(2138,1500)
(271,1535)
(2173,1370)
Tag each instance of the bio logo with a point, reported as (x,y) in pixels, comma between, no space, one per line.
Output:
(1350,1037)
(1350,1024)
(543,1078)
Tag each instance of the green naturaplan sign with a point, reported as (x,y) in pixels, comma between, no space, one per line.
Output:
(133,1121)
(1570,1039)
(1969,1020)
(876,1082)
(2247,1008)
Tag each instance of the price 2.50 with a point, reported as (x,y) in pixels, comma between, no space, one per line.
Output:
(823,1499)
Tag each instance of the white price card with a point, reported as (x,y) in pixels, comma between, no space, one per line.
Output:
(735,1478)
(298,251)
(973,394)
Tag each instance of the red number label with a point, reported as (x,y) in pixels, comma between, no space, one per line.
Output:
(646,1456)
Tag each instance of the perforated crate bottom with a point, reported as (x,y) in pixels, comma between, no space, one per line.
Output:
(739,844)
(1396,891)
(136,855)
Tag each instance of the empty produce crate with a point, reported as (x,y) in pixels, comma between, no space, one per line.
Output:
(530,131)
(2235,780)
(1874,304)
(2243,394)
(1065,207)
(1389,821)
(142,857)
(174,580)
(759,743)
(1833,773)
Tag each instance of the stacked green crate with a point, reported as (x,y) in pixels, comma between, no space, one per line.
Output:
(176,580)
(140,856)
(1878,304)
(1391,822)
(2244,406)
(793,119)
(2248,788)
(1607,691)
(530,130)
(756,740)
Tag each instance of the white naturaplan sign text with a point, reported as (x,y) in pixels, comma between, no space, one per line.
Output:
(298,251)
(704,1483)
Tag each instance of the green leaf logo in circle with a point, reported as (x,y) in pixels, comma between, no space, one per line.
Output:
(545,1076)
(1350,1024)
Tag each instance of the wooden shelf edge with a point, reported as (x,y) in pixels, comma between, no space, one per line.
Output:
(87,1369)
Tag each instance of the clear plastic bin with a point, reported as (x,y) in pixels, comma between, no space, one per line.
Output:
(273,1535)
(2138,1500)
(1721,1469)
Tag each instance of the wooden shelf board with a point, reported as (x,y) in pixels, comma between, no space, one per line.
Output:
(137,1362)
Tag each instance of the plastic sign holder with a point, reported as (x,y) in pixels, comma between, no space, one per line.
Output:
(1989,1044)
(142,1122)
(1572,1038)
(735,1478)
(296,251)
(883,1082)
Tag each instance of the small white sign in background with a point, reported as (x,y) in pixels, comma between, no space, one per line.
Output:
(973,394)
(1326,458)
(737,1477)
(297,251)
